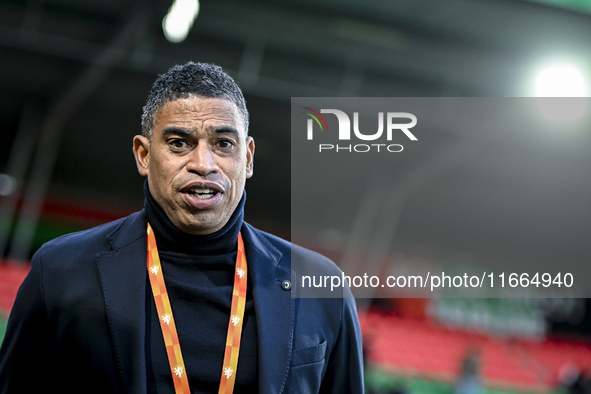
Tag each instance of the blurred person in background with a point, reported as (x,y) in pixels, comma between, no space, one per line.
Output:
(573,381)
(183,295)
(469,381)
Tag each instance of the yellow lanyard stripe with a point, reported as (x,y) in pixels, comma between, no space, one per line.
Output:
(168,327)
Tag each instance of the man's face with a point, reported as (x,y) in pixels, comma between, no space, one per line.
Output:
(197,162)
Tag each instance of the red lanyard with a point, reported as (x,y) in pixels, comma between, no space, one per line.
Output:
(171,339)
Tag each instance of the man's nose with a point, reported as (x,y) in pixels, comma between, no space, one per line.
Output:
(202,160)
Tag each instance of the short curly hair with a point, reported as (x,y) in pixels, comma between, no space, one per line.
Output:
(188,80)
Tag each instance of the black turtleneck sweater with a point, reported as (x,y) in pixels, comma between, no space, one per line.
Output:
(199,276)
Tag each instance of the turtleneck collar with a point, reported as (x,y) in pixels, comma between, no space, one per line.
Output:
(172,239)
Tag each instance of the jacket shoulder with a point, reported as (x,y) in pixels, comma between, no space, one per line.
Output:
(82,245)
(301,260)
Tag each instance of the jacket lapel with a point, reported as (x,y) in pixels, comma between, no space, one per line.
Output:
(274,309)
(123,276)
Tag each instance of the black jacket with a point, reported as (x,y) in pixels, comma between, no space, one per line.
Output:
(78,323)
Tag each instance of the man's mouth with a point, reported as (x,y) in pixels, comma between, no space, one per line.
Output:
(202,193)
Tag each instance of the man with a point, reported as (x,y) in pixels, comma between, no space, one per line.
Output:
(183,295)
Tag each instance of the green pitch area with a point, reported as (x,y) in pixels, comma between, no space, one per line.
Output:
(2,328)
(379,382)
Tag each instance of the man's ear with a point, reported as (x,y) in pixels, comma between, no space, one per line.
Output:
(249,156)
(141,151)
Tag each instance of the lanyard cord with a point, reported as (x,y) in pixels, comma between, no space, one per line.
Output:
(169,333)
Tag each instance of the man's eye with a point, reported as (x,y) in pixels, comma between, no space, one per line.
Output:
(178,144)
(225,144)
